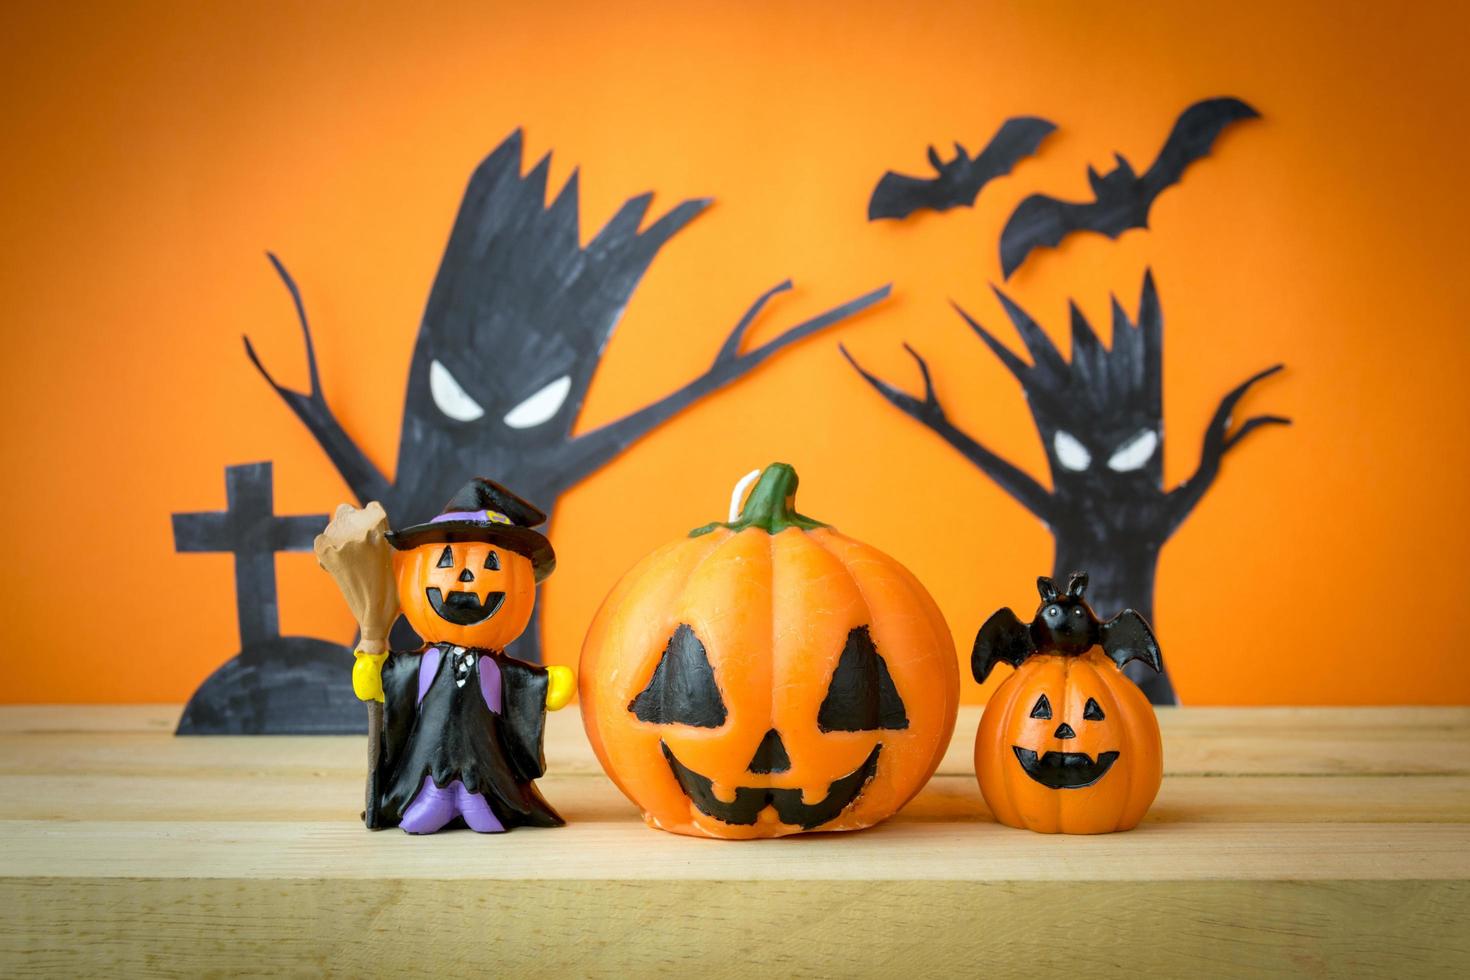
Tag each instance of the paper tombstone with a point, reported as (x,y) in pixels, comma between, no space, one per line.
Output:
(281,684)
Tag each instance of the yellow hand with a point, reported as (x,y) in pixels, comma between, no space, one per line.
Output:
(367,676)
(562,684)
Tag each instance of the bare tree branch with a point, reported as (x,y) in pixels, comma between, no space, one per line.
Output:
(1217,442)
(1253,423)
(366,480)
(732,343)
(1009,477)
(587,453)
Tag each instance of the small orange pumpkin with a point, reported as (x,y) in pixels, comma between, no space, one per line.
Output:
(501,582)
(468,576)
(1068,744)
(768,676)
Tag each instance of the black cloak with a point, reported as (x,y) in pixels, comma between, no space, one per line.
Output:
(452,733)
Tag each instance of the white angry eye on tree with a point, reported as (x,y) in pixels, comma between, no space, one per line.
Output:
(1135,452)
(1071,453)
(452,399)
(541,405)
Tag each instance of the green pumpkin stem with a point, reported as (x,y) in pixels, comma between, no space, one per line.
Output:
(771,505)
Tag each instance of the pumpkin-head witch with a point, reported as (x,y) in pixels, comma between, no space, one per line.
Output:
(1068,744)
(469,575)
(768,676)
(455,725)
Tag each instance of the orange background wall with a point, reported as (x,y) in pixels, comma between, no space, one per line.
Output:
(154,152)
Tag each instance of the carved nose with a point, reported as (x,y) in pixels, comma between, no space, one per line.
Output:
(770,756)
(466,576)
(1064,730)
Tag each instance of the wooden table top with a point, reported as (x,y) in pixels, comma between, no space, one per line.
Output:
(1304,840)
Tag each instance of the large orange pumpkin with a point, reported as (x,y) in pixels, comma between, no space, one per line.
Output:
(1068,744)
(768,676)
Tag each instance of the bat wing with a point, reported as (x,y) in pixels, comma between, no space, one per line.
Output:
(899,195)
(1017,139)
(1193,135)
(1127,636)
(1041,222)
(1003,637)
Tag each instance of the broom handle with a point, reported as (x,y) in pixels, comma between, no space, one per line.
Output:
(375,749)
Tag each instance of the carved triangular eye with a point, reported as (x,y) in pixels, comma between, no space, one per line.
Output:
(682,690)
(446,558)
(492,561)
(1042,709)
(1092,712)
(862,697)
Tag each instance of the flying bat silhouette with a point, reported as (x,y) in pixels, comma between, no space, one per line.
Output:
(959,181)
(1121,198)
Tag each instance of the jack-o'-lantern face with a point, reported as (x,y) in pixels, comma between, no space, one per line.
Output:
(769,677)
(1069,767)
(1069,744)
(469,593)
(683,693)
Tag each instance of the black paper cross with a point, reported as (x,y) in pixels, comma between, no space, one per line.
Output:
(249,528)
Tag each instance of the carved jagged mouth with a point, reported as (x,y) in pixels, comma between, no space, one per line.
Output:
(464,608)
(751,800)
(1065,770)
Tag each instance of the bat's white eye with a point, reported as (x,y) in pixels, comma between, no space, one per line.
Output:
(541,405)
(1135,452)
(452,400)
(1071,453)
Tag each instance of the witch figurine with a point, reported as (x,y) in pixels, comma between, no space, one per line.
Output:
(455,727)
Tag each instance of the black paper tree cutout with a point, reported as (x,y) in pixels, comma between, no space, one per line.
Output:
(1121,197)
(516,324)
(280,684)
(1100,419)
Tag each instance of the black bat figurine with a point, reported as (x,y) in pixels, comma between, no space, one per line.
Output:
(1064,624)
(959,181)
(1121,198)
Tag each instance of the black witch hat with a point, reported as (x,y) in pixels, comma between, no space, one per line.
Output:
(483,510)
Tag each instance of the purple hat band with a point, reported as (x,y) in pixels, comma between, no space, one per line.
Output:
(494,517)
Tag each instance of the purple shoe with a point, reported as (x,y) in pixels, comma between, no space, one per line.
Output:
(476,811)
(432,808)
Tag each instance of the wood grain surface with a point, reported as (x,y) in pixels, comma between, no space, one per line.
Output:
(1310,841)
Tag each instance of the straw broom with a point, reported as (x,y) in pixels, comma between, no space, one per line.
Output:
(356,554)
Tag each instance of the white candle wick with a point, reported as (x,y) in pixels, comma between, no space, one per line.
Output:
(737,496)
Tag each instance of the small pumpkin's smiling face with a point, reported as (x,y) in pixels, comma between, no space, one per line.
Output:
(1068,744)
(469,593)
(1068,767)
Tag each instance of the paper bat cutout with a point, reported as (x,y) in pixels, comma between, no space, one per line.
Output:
(1121,198)
(1065,624)
(959,181)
